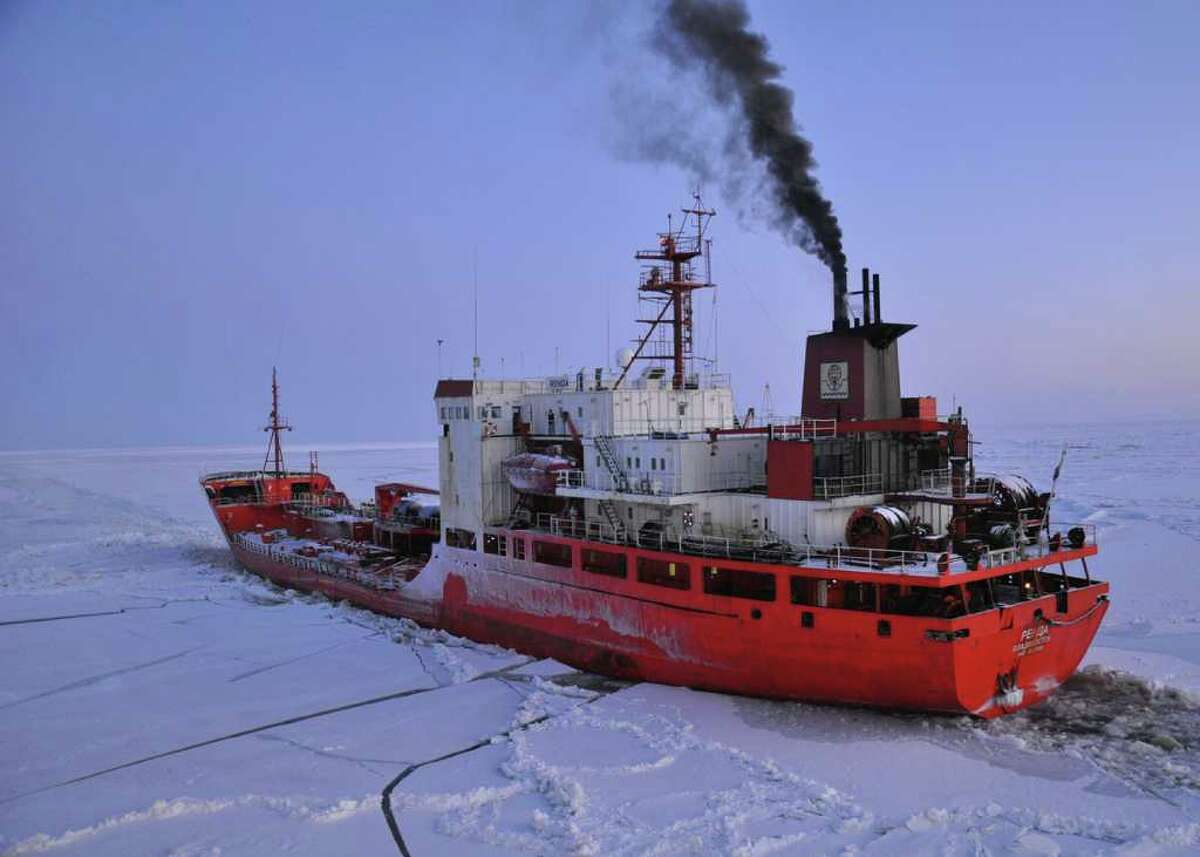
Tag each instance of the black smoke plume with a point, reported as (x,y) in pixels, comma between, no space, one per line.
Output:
(713,35)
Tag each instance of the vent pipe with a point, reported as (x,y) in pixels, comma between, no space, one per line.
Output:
(878,314)
(866,296)
(841,313)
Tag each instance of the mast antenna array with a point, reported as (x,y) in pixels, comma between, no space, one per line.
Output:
(667,283)
(274,442)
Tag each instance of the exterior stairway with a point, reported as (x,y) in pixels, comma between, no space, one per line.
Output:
(620,483)
(620,480)
(614,520)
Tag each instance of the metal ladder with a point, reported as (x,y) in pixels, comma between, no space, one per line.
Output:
(614,520)
(516,516)
(620,480)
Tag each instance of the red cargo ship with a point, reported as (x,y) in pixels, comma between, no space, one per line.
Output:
(629,523)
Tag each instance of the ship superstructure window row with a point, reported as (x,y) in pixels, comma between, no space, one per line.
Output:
(552,553)
(604,562)
(657,572)
(756,585)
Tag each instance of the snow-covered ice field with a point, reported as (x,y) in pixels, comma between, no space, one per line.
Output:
(157,700)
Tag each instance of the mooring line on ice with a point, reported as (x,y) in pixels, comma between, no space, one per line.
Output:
(299,718)
(385,800)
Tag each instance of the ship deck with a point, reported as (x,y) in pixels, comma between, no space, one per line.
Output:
(361,562)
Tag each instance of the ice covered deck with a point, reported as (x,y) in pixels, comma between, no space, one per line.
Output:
(381,569)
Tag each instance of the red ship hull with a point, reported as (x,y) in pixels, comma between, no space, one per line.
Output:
(626,629)
(839,660)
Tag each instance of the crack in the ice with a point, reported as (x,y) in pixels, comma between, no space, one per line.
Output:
(386,796)
(359,761)
(85,682)
(284,663)
(512,687)
(116,612)
(300,718)
(416,650)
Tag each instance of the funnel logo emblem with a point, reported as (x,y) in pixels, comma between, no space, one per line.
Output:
(835,380)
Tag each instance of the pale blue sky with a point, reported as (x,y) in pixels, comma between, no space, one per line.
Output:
(194,191)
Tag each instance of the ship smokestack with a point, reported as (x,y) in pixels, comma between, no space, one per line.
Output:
(841,313)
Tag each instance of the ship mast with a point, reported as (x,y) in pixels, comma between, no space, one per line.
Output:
(668,282)
(275,443)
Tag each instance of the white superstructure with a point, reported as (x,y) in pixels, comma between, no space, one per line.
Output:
(644,458)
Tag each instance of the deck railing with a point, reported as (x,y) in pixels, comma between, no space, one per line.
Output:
(799,428)
(661,483)
(778,551)
(941,481)
(1085,535)
(825,487)
(765,549)
(377,577)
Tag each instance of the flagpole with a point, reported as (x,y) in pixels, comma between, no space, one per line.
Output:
(1062,457)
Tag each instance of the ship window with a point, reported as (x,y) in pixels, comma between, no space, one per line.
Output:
(810,591)
(604,562)
(494,544)
(628,463)
(676,575)
(238,494)
(921,600)
(830,592)
(458,538)
(552,553)
(757,585)
(654,464)
(858,596)
(495,412)
(637,463)
(518,547)
(979,596)
(662,464)
(1015,588)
